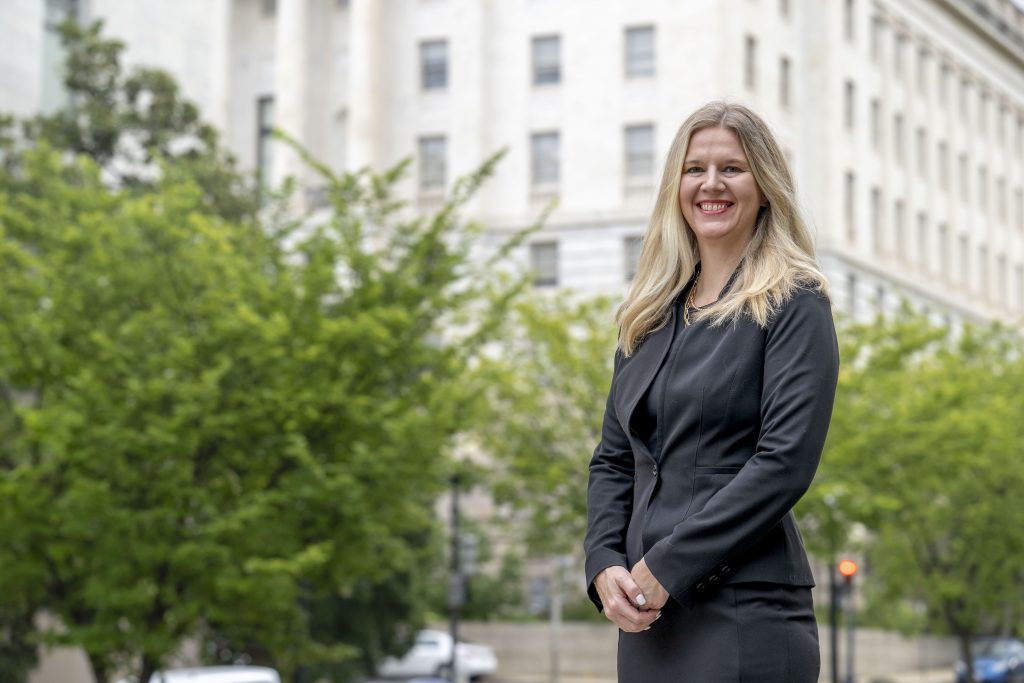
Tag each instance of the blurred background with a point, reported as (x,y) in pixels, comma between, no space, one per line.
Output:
(307,320)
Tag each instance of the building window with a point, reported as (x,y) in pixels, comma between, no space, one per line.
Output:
(877,31)
(944,249)
(750,63)
(264,139)
(944,165)
(982,270)
(965,261)
(434,64)
(965,184)
(898,50)
(433,163)
(1001,293)
(897,137)
(54,93)
(639,145)
(784,81)
(631,247)
(1004,114)
(849,102)
(547,65)
(965,95)
(1019,286)
(269,7)
(945,76)
(983,189)
(923,246)
(880,299)
(848,20)
(851,294)
(876,123)
(922,151)
(876,220)
(899,229)
(784,9)
(1018,199)
(544,166)
(922,70)
(1001,199)
(544,263)
(640,52)
(983,100)
(849,206)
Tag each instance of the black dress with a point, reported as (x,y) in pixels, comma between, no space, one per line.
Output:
(751,631)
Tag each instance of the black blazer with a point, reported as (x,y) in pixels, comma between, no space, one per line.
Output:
(739,446)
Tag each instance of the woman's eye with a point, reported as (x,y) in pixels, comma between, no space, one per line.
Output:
(732,169)
(693,170)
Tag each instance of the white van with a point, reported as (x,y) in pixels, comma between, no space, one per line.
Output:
(217,674)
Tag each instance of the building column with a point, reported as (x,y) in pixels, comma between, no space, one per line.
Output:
(290,43)
(364,73)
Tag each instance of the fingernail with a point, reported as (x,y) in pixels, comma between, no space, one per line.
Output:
(658,617)
(640,599)
(648,628)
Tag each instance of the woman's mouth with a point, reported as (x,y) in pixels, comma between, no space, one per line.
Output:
(713,208)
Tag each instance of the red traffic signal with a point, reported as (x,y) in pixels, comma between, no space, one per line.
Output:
(848,568)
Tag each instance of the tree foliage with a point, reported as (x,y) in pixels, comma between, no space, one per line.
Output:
(924,452)
(545,383)
(219,424)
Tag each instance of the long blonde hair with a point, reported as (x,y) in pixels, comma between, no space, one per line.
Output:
(779,257)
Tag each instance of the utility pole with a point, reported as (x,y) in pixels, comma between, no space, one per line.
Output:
(848,568)
(559,564)
(833,613)
(456,589)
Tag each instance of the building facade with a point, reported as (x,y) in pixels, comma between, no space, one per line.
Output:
(903,119)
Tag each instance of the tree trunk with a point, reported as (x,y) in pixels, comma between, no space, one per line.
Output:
(149,665)
(964,639)
(99,667)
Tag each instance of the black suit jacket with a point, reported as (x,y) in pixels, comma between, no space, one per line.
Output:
(739,445)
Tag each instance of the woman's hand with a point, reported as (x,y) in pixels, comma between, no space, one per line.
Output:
(623,601)
(654,593)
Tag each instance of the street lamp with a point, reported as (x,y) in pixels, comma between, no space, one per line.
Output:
(848,568)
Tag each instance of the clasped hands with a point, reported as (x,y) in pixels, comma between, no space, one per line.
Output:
(632,600)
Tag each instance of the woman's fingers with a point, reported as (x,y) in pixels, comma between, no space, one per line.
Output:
(623,600)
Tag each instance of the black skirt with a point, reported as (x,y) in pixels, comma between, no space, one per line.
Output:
(743,633)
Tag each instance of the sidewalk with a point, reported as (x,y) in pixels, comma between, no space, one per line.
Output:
(943,675)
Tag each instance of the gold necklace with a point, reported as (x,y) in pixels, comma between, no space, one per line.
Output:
(689,302)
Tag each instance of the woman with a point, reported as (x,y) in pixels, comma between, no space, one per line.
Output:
(724,380)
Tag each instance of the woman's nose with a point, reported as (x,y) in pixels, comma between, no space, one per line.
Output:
(713,180)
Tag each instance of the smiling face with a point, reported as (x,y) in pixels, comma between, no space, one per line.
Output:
(717,194)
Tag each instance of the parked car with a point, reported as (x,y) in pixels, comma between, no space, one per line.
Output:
(431,655)
(996,660)
(217,674)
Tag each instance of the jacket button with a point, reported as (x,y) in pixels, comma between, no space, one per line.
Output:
(654,470)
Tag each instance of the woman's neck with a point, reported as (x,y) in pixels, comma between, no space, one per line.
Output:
(716,268)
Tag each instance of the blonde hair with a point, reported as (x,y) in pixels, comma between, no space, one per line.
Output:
(778,259)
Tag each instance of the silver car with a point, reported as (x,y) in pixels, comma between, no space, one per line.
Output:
(431,655)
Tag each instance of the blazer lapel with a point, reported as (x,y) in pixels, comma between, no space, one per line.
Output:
(638,371)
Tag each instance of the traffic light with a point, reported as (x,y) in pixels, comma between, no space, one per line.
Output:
(848,568)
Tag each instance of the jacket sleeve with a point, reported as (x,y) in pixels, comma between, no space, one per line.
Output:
(801,366)
(609,497)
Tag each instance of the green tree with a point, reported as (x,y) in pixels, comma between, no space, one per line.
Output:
(925,452)
(544,385)
(210,423)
